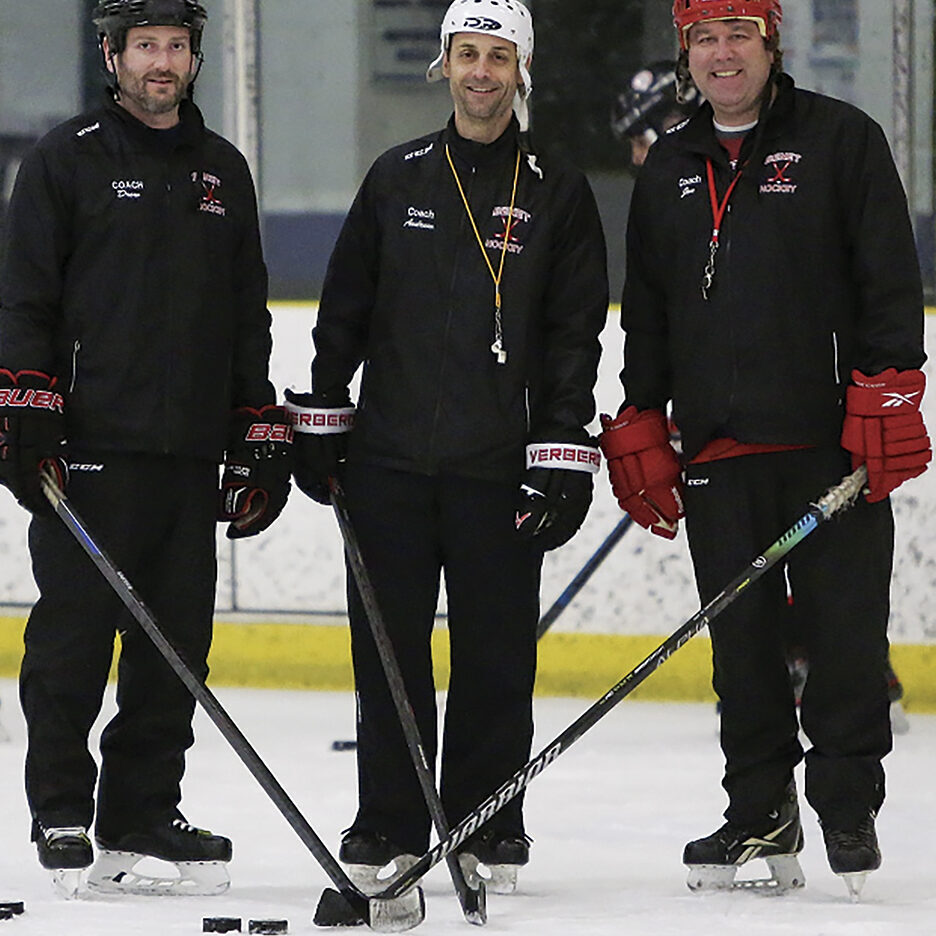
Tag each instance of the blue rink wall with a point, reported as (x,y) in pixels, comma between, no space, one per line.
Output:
(281,602)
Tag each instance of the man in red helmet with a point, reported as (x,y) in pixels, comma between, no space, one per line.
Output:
(765,302)
(134,350)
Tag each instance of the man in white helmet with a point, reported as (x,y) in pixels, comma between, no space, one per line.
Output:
(773,297)
(470,279)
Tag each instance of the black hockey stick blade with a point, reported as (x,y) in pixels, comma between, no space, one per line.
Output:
(213,708)
(838,498)
(383,916)
(472,899)
(584,574)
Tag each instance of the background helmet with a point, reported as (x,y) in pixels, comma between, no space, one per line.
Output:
(114,18)
(506,19)
(686,13)
(649,103)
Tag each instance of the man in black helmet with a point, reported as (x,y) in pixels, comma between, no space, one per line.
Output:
(134,349)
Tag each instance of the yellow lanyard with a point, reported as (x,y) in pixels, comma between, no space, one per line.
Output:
(497,347)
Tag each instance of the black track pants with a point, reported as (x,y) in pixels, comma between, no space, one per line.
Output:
(840,578)
(411,528)
(155,517)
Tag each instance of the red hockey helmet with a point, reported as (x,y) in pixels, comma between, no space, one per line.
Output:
(686,13)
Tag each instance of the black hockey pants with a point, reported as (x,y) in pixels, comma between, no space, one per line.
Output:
(155,517)
(412,527)
(840,579)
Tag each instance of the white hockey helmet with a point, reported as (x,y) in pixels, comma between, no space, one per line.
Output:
(506,19)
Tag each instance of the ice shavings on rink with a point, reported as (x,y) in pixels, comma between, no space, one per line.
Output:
(609,820)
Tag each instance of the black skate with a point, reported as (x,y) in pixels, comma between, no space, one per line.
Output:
(200,860)
(853,853)
(66,852)
(373,863)
(500,853)
(713,861)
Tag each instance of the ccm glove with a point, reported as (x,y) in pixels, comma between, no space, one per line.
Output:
(32,435)
(644,469)
(257,466)
(556,491)
(320,443)
(883,428)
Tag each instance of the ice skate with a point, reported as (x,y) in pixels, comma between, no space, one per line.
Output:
(172,859)
(714,861)
(853,854)
(494,858)
(373,863)
(66,852)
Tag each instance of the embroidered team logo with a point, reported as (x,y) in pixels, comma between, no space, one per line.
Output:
(518,227)
(210,194)
(779,167)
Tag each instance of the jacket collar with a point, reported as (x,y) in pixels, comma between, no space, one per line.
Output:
(481,155)
(186,133)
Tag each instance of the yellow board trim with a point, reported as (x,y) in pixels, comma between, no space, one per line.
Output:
(316,656)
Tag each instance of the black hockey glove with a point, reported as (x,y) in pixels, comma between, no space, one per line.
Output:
(32,435)
(257,466)
(321,425)
(556,491)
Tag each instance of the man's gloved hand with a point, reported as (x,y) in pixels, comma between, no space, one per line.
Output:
(556,491)
(32,435)
(883,428)
(257,467)
(321,427)
(644,469)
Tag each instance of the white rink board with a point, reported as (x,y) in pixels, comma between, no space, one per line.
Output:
(644,587)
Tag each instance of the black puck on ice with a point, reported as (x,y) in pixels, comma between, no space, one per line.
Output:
(13,907)
(344,745)
(221,924)
(268,926)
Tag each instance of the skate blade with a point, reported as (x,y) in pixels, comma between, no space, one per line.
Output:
(68,882)
(121,873)
(785,875)
(371,879)
(855,882)
(496,878)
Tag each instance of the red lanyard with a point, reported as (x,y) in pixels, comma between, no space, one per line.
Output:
(718,214)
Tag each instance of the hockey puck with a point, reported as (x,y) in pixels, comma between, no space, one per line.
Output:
(13,907)
(221,924)
(344,745)
(268,926)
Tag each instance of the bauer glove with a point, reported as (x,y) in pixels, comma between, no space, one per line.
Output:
(257,466)
(644,469)
(32,435)
(556,491)
(322,424)
(883,428)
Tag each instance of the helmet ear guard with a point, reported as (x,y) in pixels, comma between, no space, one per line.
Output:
(686,13)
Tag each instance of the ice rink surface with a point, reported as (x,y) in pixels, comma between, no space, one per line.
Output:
(609,819)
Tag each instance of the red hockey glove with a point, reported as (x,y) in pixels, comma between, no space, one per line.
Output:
(257,466)
(556,491)
(883,428)
(644,469)
(32,435)
(322,426)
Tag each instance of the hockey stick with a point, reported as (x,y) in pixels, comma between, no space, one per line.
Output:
(584,574)
(838,498)
(377,912)
(472,900)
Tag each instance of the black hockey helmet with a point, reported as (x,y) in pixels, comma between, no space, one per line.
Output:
(650,103)
(114,18)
